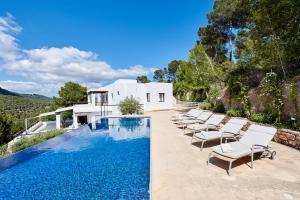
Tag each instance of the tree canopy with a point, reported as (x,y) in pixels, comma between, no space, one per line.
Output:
(142,79)
(244,42)
(130,106)
(159,75)
(71,93)
(5,128)
(171,70)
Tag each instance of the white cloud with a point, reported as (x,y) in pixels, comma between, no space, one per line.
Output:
(30,87)
(54,66)
(8,43)
(51,65)
(20,86)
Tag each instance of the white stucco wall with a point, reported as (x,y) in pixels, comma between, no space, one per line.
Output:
(154,89)
(123,88)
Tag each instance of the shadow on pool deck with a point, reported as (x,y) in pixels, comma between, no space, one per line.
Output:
(180,171)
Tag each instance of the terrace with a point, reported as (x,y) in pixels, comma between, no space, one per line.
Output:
(179,169)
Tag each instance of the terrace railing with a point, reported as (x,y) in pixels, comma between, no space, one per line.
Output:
(108,109)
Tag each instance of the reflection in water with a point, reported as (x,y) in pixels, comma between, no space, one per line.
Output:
(116,128)
(131,123)
(124,128)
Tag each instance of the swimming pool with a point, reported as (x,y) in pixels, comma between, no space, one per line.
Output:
(111,162)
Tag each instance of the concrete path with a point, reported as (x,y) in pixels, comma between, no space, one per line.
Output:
(179,169)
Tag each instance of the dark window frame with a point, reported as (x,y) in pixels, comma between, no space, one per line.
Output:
(161,97)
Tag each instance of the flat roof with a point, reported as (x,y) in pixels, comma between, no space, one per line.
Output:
(95,91)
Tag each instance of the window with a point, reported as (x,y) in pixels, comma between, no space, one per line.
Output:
(161,97)
(112,95)
(148,97)
(118,93)
(90,98)
(104,98)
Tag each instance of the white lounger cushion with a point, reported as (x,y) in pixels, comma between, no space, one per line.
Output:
(200,126)
(215,119)
(202,117)
(238,150)
(190,112)
(194,114)
(213,122)
(255,135)
(226,147)
(210,135)
(232,126)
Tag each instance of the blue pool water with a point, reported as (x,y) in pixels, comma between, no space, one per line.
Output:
(111,162)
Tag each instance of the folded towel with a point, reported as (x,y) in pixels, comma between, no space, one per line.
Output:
(204,133)
(226,148)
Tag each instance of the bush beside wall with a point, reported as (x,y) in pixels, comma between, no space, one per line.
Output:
(28,142)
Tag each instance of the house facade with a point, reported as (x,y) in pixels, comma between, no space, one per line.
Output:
(104,101)
(152,96)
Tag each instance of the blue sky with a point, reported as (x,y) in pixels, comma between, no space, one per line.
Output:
(50,42)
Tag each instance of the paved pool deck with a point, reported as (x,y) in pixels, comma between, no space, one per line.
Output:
(179,169)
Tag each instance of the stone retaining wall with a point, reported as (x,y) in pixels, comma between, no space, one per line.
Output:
(283,136)
(288,137)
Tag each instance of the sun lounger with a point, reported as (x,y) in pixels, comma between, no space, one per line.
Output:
(256,139)
(213,123)
(184,114)
(231,130)
(202,118)
(194,115)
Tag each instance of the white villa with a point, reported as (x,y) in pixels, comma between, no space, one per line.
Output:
(104,101)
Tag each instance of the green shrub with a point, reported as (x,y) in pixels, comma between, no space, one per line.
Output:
(235,112)
(3,151)
(205,106)
(130,106)
(263,117)
(219,108)
(5,128)
(30,141)
(293,125)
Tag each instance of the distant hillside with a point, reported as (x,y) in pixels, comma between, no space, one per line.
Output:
(30,96)
(19,105)
(6,92)
(37,97)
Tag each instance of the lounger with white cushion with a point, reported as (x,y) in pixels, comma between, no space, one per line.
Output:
(256,139)
(202,118)
(231,130)
(184,114)
(192,116)
(213,123)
